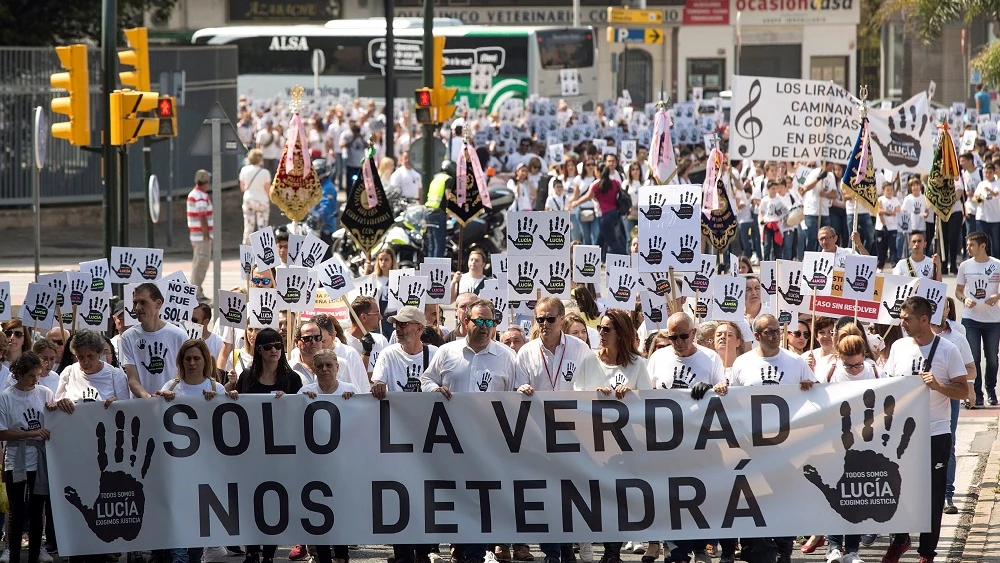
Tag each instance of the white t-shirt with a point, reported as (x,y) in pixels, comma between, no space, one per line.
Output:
(981,280)
(214,343)
(595,373)
(906,358)
(813,204)
(557,202)
(743,215)
(989,210)
(23,410)
(890,222)
(380,344)
(342,387)
(470,284)
(773,208)
(667,370)
(961,342)
(840,375)
(921,269)
(154,354)
(407,180)
(547,371)
(401,371)
(459,368)
(271,143)
(256,179)
(183,389)
(76,385)
(912,217)
(783,368)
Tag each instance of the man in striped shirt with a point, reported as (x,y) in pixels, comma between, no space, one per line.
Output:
(199,220)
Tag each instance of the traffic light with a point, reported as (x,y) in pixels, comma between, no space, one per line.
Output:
(77,106)
(442,95)
(165,112)
(425,106)
(126,125)
(137,57)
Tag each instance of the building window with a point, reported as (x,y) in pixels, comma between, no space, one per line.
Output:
(707,74)
(829,69)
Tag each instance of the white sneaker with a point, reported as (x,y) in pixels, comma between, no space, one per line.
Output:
(852,557)
(435,557)
(587,552)
(638,547)
(214,554)
(835,556)
(5,557)
(43,556)
(627,546)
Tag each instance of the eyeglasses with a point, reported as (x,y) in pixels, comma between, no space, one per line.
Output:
(58,342)
(400,324)
(770,332)
(261,281)
(311,338)
(674,337)
(488,323)
(550,319)
(605,328)
(14,333)
(800,334)
(271,346)
(854,366)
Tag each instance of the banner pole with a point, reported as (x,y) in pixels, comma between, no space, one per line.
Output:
(672,302)
(856,229)
(812,323)
(73,324)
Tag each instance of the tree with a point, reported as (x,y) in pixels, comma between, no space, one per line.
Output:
(926,18)
(44,23)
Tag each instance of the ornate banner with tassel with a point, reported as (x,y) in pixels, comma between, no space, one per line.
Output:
(367,224)
(859,174)
(470,195)
(940,188)
(296,189)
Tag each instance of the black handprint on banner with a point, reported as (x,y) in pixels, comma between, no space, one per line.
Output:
(234,310)
(820,273)
(157,358)
(591,264)
(905,129)
(902,293)
(267,248)
(76,291)
(125,263)
(683,376)
(120,491)
(294,289)
(653,211)
(558,272)
(623,294)
(412,384)
(687,250)
(97,310)
(526,229)
(656,247)
(934,295)
(312,257)
(59,285)
(4,296)
(438,279)
(43,303)
(558,229)
(860,281)
(265,313)
(731,300)
(700,280)
(99,273)
(771,375)
(526,273)
(334,277)
(152,269)
(979,289)
(484,381)
(870,485)
(793,296)
(246,262)
(686,209)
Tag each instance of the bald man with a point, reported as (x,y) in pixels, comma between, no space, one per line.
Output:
(685,364)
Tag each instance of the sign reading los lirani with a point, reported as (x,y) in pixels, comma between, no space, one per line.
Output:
(284,10)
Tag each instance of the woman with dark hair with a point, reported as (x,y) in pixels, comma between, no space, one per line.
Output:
(586,301)
(110,356)
(616,367)
(605,191)
(18,339)
(195,376)
(634,181)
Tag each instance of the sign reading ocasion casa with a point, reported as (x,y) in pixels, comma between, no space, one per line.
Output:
(797,12)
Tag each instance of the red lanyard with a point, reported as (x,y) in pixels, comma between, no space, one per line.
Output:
(541,350)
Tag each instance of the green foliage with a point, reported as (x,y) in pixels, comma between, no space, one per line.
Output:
(988,63)
(44,23)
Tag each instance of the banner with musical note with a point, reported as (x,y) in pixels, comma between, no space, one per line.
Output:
(786,119)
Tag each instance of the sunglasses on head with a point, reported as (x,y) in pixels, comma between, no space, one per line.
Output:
(488,323)
(261,281)
(542,320)
(311,338)
(271,346)
(674,337)
(15,333)
(799,333)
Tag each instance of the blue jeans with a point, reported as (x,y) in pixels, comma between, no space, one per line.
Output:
(789,241)
(588,231)
(812,232)
(867,230)
(437,232)
(629,224)
(186,555)
(838,220)
(755,237)
(611,235)
(984,339)
(745,238)
(846,544)
(949,488)
(992,230)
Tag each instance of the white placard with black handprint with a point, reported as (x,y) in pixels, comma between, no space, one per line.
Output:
(311,252)
(498,263)
(617,261)
(129,317)
(728,298)
(659,284)
(622,288)
(654,311)
(988,131)
(698,282)
(901,137)
(291,284)
(135,265)
(102,274)
(232,309)
(628,150)
(554,278)
(294,255)
(179,301)
(246,262)
(334,277)
(935,292)
(264,308)
(438,273)
(500,304)
(697,308)
(39,308)
(859,277)
(393,287)
(768,287)
(265,253)
(412,292)
(79,285)
(895,290)
(586,264)
(521,277)
(5,301)
(538,233)
(365,285)
(817,272)
(59,282)
(791,299)
(95,312)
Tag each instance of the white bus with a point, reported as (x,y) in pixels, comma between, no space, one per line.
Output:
(508,62)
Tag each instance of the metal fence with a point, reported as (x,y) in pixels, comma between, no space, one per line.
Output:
(72,175)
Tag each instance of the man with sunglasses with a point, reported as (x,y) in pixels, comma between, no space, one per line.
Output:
(400,365)
(474,363)
(362,336)
(308,340)
(149,349)
(549,362)
(685,364)
(59,336)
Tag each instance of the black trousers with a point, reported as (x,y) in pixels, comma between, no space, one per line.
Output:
(953,241)
(326,553)
(940,452)
(411,553)
(25,506)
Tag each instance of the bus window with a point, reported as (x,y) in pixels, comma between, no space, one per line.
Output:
(565,48)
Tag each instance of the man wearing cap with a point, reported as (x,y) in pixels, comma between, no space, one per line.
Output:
(200,222)
(400,365)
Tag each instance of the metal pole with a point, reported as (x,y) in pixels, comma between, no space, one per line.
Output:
(37,208)
(428,79)
(109,58)
(147,171)
(217,208)
(123,196)
(170,197)
(576,13)
(390,81)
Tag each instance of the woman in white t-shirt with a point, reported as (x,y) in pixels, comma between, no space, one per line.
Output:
(326,366)
(90,378)
(820,358)
(632,185)
(255,183)
(524,192)
(585,214)
(887,226)
(195,373)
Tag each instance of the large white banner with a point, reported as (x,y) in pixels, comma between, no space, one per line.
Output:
(812,120)
(492,467)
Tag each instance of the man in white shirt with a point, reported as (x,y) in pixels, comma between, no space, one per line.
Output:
(474,363)
(914,210)
(549,362)
(685,364)
(400,365)
(919,265)
(270,143)
(816,199)
(406,179)
(982,316)
(887,226)
(472,281)
(362,337)
(149,349)
(987,195)
(939,364)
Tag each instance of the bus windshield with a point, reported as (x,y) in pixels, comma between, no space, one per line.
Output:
(565,48)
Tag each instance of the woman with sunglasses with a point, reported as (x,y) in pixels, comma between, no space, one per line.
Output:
(798,340)
(582,210)
(18,340)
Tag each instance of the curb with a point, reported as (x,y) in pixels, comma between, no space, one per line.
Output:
(982,534)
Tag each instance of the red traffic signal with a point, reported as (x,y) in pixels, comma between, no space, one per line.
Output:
(165,107)
(424,98)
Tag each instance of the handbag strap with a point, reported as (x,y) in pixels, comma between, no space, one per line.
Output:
(930,356)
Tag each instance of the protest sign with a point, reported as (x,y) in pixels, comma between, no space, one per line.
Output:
(654,311)
(622,284)
(135,265)
(179,299)
(95,312)
(859,277)
(265,253)
(669,228)
(102,274)
(895,290)
(291,284)
(438,273)
(935,292)
(538,233)
(264,308)
(232,309)
(4,301)
(728,294)
(901,137)
(201,464)
(39,307)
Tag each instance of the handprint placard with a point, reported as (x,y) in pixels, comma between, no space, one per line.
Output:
(438,273)
(129,317)
(728,297)
(411,292)
(789,290)
(501,306)
(101,274)
(59,282)
(264,311)
(697,283)
(95,312)
(623,287)
(311,252)
(265,253)
(859,277)
(768,287)
(79,285)
(654,311)
(39,308)
(935,292)
(586,264)
(334,277)
(817,272)
(232,309)
(291,286)
(135,265)
(246,262)
(4,301)
(365,285)
(895,290)
(538,233)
